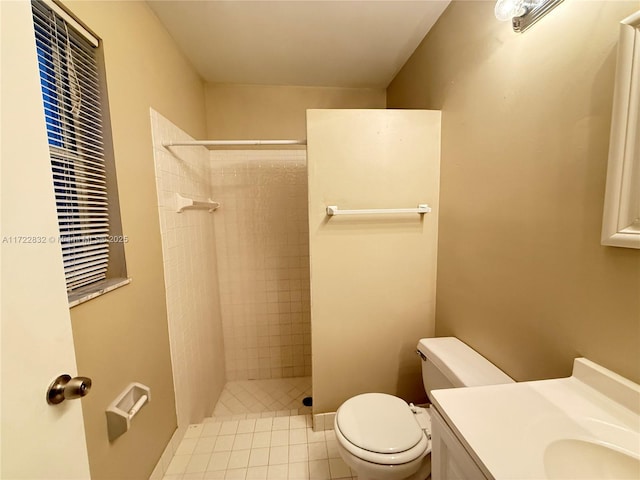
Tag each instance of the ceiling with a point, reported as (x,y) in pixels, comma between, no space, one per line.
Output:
(312,43)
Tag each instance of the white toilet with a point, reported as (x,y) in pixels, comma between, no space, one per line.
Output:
(381,437)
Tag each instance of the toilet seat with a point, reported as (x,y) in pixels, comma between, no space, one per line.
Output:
(380,428)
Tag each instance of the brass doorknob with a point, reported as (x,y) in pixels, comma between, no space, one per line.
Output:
(66,388)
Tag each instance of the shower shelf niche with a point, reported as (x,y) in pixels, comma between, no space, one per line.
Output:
(184,203)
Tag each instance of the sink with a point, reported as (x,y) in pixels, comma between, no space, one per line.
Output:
(583,459)
(586,426)
(596,449)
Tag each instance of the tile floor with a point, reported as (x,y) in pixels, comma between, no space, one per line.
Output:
(252,445)
(257,396)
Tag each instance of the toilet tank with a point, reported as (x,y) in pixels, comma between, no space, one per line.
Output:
(447,363)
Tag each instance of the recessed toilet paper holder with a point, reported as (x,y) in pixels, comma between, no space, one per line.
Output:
(122,410)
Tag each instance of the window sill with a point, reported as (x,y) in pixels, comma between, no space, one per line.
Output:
(95,290)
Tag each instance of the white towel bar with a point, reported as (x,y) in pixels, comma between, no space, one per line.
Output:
(421,209)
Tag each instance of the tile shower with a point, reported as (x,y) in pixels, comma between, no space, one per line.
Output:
(237,279)
(262,243)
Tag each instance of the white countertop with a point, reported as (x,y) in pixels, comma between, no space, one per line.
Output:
(508,428)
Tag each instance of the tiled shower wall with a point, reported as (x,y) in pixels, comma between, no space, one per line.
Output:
(262,246)
(188,245)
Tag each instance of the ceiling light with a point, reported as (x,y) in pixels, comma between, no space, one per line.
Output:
(507,9)
(523,13)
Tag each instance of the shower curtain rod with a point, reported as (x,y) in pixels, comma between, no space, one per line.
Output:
(218,143)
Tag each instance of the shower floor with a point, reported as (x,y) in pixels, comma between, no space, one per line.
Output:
(278,395)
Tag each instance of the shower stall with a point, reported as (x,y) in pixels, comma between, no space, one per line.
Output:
(262,244)
(236,277)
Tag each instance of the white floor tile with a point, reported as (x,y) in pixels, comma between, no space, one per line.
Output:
(315,436)
(278,455)
(214,475)
(236,474)
(243,441)
(280,423)
(299,471)
(261,440)
(263,424)
(338,468)
(229,427)
(194,430)
(298,453)
(297,436)
(332,449)
(187,446)
(277,472)
(193,476)
(239,459)
(211,429)
(298,421)
(259,457)
(178,464)
(198,463)
(219,461)
(246,426)
(173,477)
(257,473)
(205,445)
(318,451)
(279,438)
(319,470)
(224,443)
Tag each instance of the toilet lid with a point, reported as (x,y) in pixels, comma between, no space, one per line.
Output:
(379,423)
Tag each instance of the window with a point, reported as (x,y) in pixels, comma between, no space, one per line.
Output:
(80,151)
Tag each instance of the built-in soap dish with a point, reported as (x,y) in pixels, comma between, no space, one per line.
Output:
(125,407)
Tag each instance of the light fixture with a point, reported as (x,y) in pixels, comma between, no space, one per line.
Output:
(523,13)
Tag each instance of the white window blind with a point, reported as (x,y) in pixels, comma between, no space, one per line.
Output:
(71,92)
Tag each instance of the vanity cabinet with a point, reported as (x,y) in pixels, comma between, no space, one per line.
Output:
(449,459)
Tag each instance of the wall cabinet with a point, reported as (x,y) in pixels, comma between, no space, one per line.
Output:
(621,220)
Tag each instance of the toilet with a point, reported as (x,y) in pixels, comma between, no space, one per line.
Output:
(381,437)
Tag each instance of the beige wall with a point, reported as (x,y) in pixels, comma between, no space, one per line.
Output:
(122,336)
(276,112)
(522,276)
(373,276)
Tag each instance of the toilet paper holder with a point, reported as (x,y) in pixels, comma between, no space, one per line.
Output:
(122,410)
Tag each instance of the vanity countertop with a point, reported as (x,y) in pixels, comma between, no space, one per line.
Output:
(583,426)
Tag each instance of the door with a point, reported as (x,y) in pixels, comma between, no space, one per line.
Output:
(38,441)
